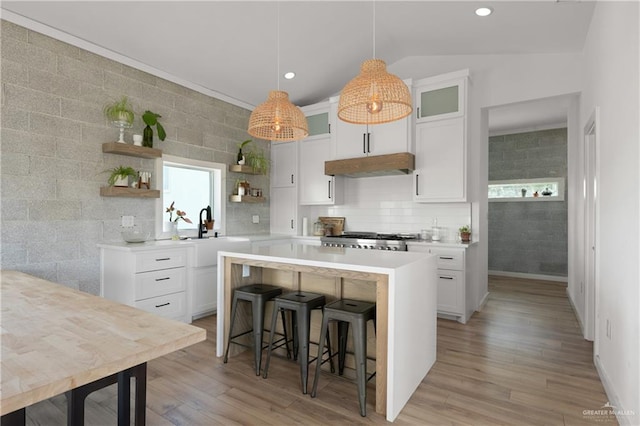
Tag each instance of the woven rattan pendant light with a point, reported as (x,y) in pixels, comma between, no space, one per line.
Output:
(374,96)
(277,119)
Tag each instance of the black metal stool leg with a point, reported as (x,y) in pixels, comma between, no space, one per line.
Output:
(360,349)
(274,320)
(304,329)
(323,333)
(343,334)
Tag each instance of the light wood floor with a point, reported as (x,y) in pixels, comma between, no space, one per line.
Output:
(521,361)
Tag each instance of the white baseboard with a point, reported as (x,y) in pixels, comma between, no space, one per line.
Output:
(529,276)
(624,417)
(577,315)
(483,301)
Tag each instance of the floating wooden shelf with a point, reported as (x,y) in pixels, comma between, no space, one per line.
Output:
(246,199)
(237,168)
(120,191)
(131,150)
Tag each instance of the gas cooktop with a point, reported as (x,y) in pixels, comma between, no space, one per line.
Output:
(369,240)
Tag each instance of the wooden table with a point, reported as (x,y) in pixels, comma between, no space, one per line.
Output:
(56,340)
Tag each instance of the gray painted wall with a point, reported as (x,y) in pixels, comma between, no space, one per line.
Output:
(528,237)
(51,153)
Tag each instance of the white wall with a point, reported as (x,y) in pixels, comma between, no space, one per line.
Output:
(611,83)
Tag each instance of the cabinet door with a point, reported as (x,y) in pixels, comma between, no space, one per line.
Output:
(351,140)
(389,138)
(441,97)
(315,186)
(284,161)
(440,174)
(205,290)
(356,140)
(450,292)
(283,210)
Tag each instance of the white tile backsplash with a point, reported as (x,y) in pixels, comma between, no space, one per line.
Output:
(384,204)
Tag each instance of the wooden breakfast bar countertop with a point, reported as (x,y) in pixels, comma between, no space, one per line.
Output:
(56,339)
(403,285)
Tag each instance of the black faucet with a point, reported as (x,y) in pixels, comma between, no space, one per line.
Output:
(202,226)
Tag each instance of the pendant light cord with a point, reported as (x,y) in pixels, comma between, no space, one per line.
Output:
(374,29)
(278,45)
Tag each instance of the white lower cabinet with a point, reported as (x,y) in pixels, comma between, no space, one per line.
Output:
(204,293)
(153,280)
(451,280)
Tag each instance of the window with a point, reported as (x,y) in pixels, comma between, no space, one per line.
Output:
(192,185)
(544,189)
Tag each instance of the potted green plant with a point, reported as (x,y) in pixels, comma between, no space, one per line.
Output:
(151,119)
(241,158)
(120,110)
(120,114)
(257,160)
(120,176)
(465,233)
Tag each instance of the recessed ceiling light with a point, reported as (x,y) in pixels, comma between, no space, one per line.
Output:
(484,11)
(289,75)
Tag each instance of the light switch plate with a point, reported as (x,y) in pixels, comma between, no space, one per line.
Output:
(256,218)
(246,271)
(127,221)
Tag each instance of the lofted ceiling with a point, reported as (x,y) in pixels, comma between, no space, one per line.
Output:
(232,47)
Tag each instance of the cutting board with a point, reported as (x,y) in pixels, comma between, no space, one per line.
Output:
(337,222)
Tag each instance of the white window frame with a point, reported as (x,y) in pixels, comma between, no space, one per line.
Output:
(220,188)
(559,181)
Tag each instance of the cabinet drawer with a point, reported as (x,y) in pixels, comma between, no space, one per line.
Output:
(449,258)
(157,283)
(450,292)
(161,259)
(168,306)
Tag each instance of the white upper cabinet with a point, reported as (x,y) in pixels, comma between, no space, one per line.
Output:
(359,140)
(440,173)
(441,97)
(284,164)
(314,186)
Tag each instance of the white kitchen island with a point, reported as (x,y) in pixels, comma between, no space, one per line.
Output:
(402,284)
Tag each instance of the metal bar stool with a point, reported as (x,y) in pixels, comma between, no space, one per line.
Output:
(300,304)
(258,295)
(355,313)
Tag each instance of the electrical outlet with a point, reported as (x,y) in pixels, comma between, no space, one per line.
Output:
(608,330)
(127,221)
(256,218)
(246,271)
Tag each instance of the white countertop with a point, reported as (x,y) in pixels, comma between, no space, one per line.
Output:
(330,257)
(444,244)
(163,244)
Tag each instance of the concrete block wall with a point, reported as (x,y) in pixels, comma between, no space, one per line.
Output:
(528,237)
(51,168)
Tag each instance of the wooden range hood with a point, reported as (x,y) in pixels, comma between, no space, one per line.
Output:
(401,163)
